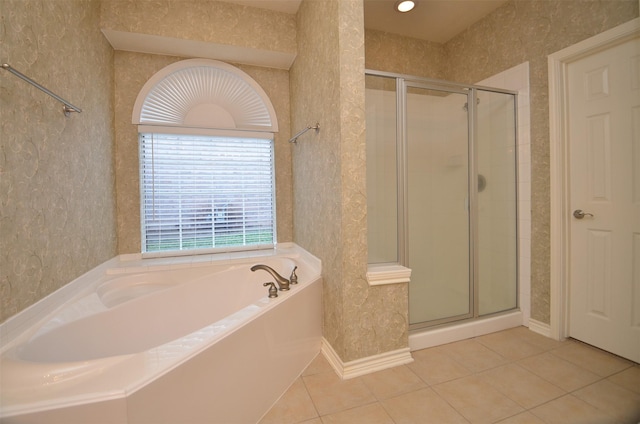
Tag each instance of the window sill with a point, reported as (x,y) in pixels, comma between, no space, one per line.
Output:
(378,274)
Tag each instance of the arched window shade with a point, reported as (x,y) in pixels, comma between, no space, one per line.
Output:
(206,133)
(203,93)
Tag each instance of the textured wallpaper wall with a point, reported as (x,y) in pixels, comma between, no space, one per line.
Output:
(327,86)
(203,20)
(57,201)
(222,23)
(57,175)
(132,71)
(519,31)
(315,97)
(403,55)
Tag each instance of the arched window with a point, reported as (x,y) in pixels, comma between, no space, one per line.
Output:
(206,159)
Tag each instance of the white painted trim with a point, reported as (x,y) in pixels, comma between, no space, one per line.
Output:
(367,365)
(378,275)
(465,330)
(559,209)
(540,327)
(559,169)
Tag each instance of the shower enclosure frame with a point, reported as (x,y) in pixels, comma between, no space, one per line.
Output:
(402,83)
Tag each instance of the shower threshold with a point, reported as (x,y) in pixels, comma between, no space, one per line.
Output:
(461,330)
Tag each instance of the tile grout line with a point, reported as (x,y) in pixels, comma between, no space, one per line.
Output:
(431,386)
(507,361)
(315,407)
(504,361)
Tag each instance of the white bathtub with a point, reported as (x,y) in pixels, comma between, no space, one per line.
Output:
(185,340)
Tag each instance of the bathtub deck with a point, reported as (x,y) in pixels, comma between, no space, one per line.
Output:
(231,359)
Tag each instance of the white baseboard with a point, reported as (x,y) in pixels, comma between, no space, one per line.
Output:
(362,366)
(466,330)
(540,327)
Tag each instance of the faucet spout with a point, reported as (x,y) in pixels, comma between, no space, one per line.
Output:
(283,283)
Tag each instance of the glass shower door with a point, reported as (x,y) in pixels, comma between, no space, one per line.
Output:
(497,199)
(437,207)
(441,195)
(382,170)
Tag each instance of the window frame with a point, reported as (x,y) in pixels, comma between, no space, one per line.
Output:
(210,98)
(200,132)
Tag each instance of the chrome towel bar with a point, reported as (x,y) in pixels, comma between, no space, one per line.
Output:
(294,139)
(67,108)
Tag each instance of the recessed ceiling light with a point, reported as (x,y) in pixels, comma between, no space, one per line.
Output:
(405,5)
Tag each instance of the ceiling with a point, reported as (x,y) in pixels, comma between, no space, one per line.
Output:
(431,20)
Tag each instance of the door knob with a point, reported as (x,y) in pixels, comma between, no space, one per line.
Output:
(579,213)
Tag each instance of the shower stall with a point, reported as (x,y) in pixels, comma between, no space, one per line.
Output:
(441,195)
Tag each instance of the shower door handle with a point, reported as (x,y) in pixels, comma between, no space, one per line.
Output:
(579,214)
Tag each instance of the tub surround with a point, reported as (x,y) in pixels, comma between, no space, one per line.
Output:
(88,367)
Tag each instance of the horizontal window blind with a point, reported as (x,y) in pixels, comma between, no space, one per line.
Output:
(200,192)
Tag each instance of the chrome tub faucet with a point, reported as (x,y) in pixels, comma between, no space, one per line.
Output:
(273,291)
(283,283)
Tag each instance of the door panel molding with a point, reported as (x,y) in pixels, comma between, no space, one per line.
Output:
(559,165)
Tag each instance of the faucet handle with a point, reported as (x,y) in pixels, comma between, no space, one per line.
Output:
(293,279)
(273,291)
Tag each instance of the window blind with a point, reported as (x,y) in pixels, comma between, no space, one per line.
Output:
(203,192)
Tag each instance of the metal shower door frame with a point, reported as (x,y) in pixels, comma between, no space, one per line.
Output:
(403,83)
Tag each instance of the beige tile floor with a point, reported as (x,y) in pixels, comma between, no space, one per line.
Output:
(513,376)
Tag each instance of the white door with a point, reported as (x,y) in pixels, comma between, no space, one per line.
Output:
(604,148)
